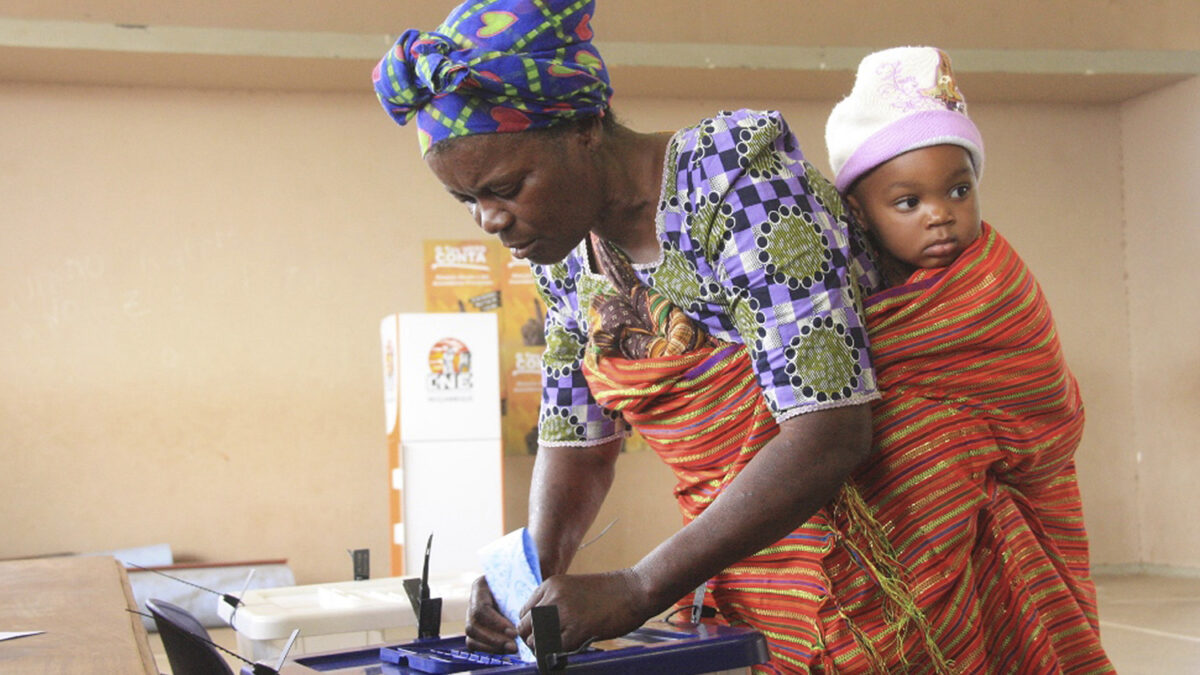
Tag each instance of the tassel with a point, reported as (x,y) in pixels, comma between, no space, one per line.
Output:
(883,566)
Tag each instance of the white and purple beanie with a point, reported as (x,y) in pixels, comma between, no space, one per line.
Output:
(903,99)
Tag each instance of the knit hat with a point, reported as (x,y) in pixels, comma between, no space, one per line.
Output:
(903,99)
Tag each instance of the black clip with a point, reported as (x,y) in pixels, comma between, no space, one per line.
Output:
(429,624)
(547,639)
(427,610)
(362,563)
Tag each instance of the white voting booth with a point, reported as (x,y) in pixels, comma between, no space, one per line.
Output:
(442,399)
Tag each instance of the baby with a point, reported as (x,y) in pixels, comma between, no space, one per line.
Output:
(976,433)
(907,159)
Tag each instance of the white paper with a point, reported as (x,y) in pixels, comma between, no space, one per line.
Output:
(513,572)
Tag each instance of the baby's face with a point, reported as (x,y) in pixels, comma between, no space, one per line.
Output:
(921,206)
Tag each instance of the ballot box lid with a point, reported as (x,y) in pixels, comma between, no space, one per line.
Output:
(657,647)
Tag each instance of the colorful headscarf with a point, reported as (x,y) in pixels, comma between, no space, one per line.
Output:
(495,66)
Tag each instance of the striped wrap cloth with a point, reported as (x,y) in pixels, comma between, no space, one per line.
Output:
(959,547)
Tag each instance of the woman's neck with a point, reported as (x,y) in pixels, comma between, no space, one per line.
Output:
(633,167)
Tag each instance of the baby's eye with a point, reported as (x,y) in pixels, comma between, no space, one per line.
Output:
(960,191)
(906,203)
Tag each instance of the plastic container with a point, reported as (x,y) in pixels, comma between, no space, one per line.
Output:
(338,615)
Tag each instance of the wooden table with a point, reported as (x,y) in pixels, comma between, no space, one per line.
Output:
(81,603)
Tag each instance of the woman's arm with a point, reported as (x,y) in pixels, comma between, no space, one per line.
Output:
(569,485)
(792,477)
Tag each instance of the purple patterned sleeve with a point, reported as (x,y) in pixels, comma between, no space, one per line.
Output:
(570,415)
(756,246)
(767,233)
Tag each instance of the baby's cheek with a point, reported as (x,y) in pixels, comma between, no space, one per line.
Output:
(976,230)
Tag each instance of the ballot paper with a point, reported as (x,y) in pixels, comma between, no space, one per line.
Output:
(513,571)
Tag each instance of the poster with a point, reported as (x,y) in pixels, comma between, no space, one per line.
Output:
(462,276)
(482,276)
(522,341)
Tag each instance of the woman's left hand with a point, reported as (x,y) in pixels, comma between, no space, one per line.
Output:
(599,606)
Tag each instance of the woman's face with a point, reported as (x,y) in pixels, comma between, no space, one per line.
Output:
(537,192)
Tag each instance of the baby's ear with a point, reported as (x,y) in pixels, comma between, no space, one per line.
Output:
(852,203)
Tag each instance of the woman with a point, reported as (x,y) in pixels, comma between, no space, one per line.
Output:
(725,219)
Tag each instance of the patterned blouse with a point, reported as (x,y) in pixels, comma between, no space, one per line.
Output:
(756,247)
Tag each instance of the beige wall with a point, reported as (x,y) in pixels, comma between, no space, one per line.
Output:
(192,282)
(192,288)
(1161,147)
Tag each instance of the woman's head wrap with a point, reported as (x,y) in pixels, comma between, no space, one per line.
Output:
(495,66)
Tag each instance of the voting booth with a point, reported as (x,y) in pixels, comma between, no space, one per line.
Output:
(442,402)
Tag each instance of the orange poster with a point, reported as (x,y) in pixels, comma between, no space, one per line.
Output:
(462,276)
(522,341)
(482,276)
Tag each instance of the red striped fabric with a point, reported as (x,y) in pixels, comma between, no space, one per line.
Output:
(971,491)
(974,479)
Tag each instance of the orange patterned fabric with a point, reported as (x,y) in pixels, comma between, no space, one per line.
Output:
(975,473)
(966,552)
(697,403)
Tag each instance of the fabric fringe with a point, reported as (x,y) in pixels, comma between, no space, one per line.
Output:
(883,566)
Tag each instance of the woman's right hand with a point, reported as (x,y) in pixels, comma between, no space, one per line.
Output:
(487,629)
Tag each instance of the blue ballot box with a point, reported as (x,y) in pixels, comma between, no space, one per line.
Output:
(655,648)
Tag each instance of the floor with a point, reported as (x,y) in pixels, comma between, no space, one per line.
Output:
(1150,625)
